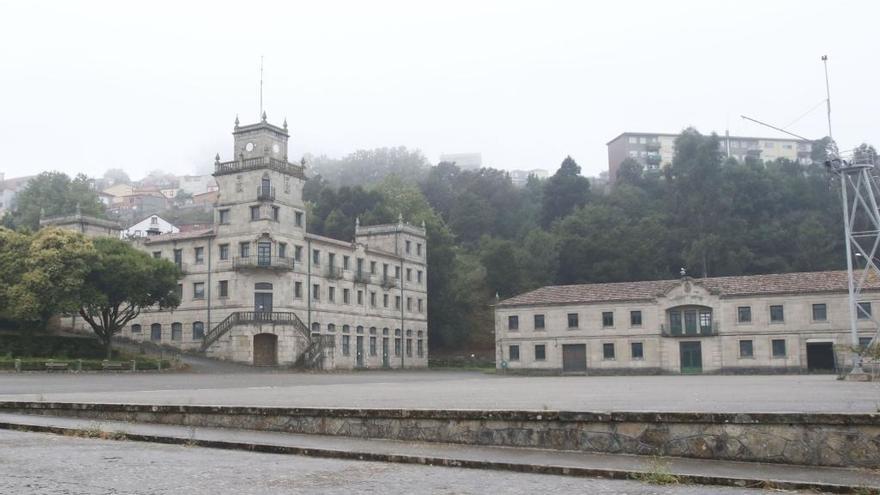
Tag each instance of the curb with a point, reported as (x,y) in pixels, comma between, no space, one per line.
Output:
(442,461)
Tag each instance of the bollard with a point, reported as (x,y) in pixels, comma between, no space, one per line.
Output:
(79,365)
(18,365)
(133,365)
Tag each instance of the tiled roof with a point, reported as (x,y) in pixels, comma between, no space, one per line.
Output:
(783,283)
(180,236)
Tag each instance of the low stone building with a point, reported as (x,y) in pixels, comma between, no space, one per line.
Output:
(258,288)
(794,322)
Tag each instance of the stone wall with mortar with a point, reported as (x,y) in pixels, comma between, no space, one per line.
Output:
(851,440)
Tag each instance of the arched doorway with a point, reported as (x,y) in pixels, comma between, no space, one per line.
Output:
(265,349)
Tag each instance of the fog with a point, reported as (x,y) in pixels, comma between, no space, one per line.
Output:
(86,86)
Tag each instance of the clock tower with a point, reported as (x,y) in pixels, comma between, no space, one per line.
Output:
(260,139)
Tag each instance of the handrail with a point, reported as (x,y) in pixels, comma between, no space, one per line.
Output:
(215,333)
(276,262)
(361,278)
(334,272)
(265,193)
(258,162)
(254,317)
(701,331)
(388,282)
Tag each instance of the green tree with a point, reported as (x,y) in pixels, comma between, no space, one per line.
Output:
(54,193)
(370,167)
(630,172)
(564,191)
(120,283)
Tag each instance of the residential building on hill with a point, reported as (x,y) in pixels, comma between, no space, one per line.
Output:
(655,150)
(151,225)
(258,288)
(793,322)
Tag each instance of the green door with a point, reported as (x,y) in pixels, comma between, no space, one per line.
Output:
(691,357)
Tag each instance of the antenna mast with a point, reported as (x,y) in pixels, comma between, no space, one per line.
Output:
(827,94)
(261,85)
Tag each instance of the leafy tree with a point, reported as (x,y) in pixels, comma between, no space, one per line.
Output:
(630,172)
(564,191)
(120,283)
(819,150)
(42,274)
(54,193)
(370,167)
(117,176)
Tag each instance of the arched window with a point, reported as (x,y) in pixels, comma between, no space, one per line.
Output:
(198,330)
(409,333)
(136,328)
(372,330)
(397,332)
(262,286)
(316,327)
(331,327)
(176,331)
(360,329)
(385,331)
(689,320)
(156,331)
(419,333)
(346,329)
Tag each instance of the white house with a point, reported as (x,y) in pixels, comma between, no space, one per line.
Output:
(152,225)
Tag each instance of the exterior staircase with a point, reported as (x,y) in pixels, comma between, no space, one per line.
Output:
(311,357)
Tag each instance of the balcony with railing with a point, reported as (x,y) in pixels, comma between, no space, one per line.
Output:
(265,193)
(361,277)
(653,146)
(388,282)
(333,272)
(687,331)
(262,262)
(653,159)
(257,163)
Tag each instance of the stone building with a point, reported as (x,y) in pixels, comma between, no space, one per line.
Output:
(792,322)
(258,288)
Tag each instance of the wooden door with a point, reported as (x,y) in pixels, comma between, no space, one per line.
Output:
(691,357)
(574,358)
(265,349)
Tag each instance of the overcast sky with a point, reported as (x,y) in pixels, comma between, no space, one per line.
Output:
(86,86)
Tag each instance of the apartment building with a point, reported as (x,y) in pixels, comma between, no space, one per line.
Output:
(655,150)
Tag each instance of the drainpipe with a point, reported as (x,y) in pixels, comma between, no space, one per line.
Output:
(400,281)
(309,284)
(210,249)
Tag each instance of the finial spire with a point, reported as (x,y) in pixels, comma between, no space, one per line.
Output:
(264,115)
(423,225)
(236,121)
(285,123)
(217,158)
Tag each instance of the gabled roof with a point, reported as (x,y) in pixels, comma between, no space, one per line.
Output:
(746,285)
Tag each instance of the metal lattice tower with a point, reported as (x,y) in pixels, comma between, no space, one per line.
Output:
(859,191)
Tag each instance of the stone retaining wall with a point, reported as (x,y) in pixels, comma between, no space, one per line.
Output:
(851,440)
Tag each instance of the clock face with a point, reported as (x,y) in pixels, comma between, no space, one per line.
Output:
(249,147)
(276,148)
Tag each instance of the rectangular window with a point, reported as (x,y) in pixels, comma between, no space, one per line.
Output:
(346,296)
(397,346)
(408,347)
(345,262)
(745,349)
(778,347)
(276,213)
(346,350)
(608,351)
(244,249)
(409,274)
(157,254)
(282,250)
(224,216)
(409,304)
(539,322)
(420,305)
(224,252)
(298,218)
(297,253)
(176,331)
(820,312)
(180,292)
(408,247)
(744,314)
(419,248)
(331,294)
(675,322)
(513,322)
(316,292)
(419,276)
(198,330)
(178,257)
(607,319)
(397,272)
(372,346)
(513,353)
(777,315)
(637,350)
(199,255)
(372,268)
(360,266)
(385,300)
(540,352)
(421,348)
(360,298)
(331,260)
(199,290)
(316,256)
(255,213)
(572,320)
(635,318)
(864,342)
(372,299)
(298,290)
(864,311)
(224,288)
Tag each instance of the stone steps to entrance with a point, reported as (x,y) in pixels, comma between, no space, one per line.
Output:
(710,472)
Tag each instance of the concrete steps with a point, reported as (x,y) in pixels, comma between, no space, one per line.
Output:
(679,470)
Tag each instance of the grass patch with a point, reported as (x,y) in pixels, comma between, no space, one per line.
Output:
(658,473)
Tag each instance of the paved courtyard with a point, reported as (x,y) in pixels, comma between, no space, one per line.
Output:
(37,463)
(461,390)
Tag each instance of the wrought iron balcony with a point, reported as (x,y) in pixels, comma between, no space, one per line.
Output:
(333,272)
(262,262)
(653,159)
(361,278)
(265,193)
(680,331)
(388,282)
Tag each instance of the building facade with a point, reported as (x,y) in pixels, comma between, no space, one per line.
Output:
(258,288)
(656,150)
(794,322)
(151,225)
